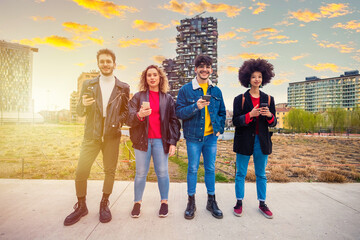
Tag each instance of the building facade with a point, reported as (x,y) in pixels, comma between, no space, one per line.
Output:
(317,95)
(75,95)
(16,63)
(195,36)
(282,110)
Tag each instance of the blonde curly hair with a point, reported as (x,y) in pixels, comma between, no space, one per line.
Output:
(163,85)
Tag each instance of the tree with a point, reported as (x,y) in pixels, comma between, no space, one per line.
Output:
(336,117)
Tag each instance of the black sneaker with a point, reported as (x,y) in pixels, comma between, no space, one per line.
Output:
(135,213)
(163,212)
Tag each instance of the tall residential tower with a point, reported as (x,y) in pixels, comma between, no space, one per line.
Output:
(196,36)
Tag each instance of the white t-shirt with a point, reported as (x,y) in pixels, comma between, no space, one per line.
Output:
(107,84)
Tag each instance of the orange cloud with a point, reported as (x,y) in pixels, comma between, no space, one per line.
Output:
(151,43)
(261,8)
(120,67)
(257,37)
(287,41)
(300,56)
(242,30)
(279,37)
(105,8)
(356,58)
(305,16)
(255,55)
(79,29)
(250,43)
(232,69)
(39,18)
(148,26)
(334,10)
(82,32)
(227,36)
(279,81)
(351,25)
(175,22)
(159,59)
(343,48)
(54,41)
(284,22)
(270,30)
(193,8)
(324,67)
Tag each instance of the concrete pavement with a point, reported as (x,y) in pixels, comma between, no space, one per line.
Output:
(35,209)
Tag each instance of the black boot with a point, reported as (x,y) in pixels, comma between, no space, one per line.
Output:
(213,207)
(80,211)
(191,208)
(105,214)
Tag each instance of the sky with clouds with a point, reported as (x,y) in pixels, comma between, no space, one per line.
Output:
(300,38)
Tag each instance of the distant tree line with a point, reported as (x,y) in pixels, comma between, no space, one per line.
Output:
(335,120)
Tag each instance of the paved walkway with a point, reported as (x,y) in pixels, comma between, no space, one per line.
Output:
(35,209)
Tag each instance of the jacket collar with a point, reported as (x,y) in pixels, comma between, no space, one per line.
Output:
(263,98)
(97,79)
(195,84)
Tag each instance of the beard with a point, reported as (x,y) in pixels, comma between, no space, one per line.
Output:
(106,73)
(202,72)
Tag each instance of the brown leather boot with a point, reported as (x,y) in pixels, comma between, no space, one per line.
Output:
(80,211)
(105,214)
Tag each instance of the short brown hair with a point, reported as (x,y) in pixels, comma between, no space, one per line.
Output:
(163,85)
(106,51)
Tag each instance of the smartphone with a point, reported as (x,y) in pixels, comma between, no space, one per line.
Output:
(89,92)
(263,105)
(206,97)
(146,104)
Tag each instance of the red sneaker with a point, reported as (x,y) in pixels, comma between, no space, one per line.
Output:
(265,211)
(135,213)
(238,209)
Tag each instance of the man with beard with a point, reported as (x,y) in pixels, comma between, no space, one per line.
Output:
(104,102)
(201,107)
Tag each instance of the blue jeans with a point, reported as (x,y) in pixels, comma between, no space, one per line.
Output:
(242,162)
(160,158)
(208,149)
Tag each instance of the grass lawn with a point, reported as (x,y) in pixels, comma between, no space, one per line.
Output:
(51,152)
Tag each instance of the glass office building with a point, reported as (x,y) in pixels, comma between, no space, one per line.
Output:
(317,95)
(16,63)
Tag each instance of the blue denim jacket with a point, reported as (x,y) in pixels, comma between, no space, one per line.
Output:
(193,119)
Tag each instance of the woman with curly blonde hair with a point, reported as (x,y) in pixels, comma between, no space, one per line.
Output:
(154,132)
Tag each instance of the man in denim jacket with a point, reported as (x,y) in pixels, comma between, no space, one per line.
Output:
(203,121)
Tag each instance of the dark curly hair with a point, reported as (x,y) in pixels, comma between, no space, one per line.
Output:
(256,65)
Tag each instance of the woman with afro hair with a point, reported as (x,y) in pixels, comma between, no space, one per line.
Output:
(254,113)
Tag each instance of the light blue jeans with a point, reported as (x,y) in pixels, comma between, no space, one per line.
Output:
(208,149)
(242,162)
(160,158)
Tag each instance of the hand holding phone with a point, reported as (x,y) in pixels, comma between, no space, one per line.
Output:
(206,97)
(262,105)
(88,96)
(145,105)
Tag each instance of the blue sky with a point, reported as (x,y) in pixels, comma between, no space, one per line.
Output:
(299,37)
